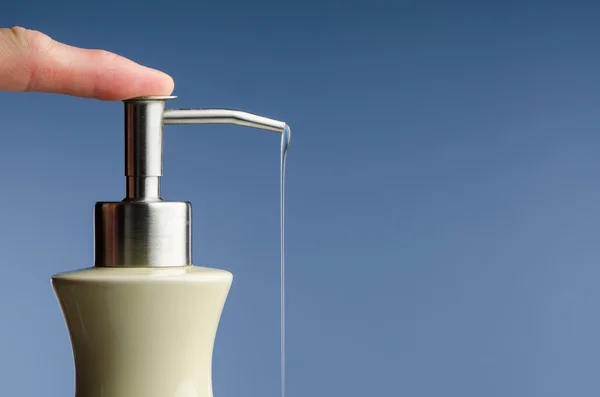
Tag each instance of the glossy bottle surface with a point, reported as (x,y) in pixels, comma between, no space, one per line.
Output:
(143,332)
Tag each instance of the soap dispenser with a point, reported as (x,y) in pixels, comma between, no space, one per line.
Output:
(143,319)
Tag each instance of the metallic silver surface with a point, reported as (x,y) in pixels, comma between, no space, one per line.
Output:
(147,187)
(143,230)
(143,143)
(221,116)
(143,234)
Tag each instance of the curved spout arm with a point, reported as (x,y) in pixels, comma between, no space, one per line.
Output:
(221,116)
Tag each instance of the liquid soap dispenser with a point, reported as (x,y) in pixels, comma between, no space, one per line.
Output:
(143,320)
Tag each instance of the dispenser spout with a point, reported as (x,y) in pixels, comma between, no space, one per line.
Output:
(144,121)
(221,116)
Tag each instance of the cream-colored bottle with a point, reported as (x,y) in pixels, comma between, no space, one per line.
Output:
(143,319)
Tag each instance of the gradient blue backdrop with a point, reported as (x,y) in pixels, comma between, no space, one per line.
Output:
(444,182)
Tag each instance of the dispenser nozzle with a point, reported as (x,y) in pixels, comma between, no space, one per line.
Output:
(144,120)
(221,116)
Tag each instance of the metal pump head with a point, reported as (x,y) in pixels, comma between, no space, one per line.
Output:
(143,230)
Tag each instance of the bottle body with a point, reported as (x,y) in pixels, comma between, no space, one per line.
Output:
(143,331)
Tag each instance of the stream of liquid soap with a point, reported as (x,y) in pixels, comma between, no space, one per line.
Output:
(285,143)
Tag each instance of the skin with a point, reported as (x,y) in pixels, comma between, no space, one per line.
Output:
(30,61)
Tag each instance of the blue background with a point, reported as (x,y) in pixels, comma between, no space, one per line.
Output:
(444,182)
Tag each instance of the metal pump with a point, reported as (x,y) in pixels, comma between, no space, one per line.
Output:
(143,230)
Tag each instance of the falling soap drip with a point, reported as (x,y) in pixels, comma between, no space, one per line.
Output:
(285,144)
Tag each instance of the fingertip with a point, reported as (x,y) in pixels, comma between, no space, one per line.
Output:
(120,78)
(146,82)
(165,83)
